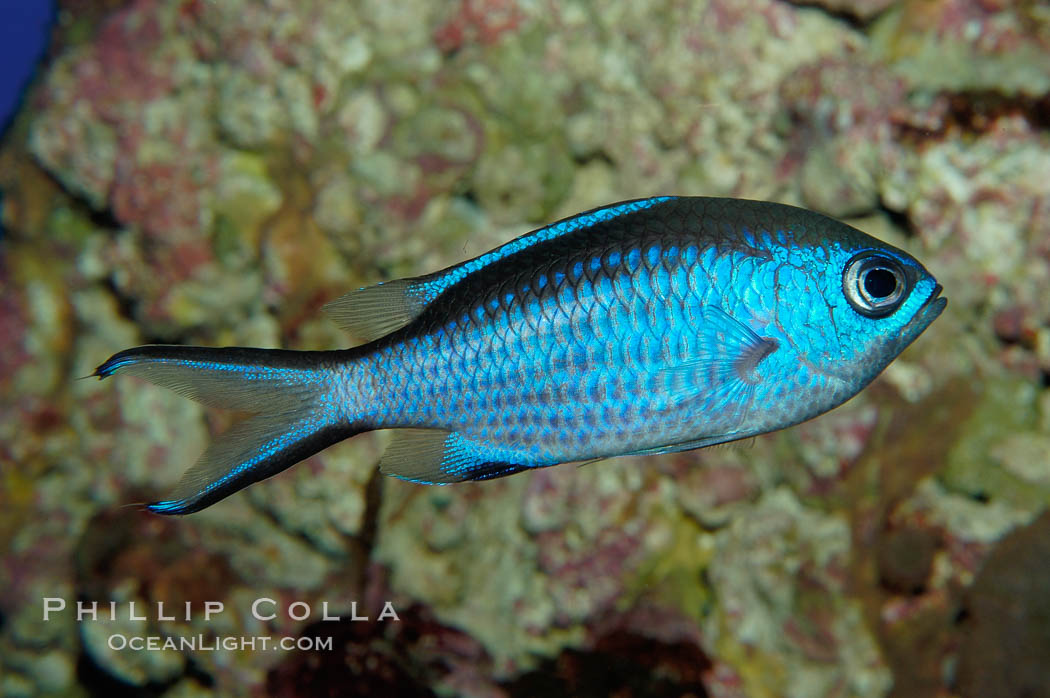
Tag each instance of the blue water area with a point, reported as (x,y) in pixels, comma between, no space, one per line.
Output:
(24,29)
(25,26)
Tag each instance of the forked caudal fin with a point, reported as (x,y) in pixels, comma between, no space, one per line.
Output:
(290,393)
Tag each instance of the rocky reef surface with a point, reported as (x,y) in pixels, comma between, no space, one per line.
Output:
(214,172)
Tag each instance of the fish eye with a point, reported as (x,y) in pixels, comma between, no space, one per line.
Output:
(874,284)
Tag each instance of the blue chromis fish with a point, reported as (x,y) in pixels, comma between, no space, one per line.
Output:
(642,327)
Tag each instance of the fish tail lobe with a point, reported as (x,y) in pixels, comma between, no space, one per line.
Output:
(293,397)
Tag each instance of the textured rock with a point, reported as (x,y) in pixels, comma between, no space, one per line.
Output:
(777,579)
(214,172)
(1009,618)
(967,44)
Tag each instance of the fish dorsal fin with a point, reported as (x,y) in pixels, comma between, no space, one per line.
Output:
(372,312)
(438,457)
(437,283)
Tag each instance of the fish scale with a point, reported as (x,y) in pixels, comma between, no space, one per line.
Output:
(647,326)
(607,320)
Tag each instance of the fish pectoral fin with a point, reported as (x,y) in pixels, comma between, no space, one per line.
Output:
(438,457)
(729,352)
(372,312)
(722,371)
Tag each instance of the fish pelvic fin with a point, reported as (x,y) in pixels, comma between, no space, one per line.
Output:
(438,457)
(290,393)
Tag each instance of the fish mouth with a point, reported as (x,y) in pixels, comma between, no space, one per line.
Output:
(927,312)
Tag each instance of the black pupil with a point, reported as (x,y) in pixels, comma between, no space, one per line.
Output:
(879,283)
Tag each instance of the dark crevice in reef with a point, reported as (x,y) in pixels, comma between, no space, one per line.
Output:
(599,156)
(620,664)
(359,546)
(364,658)
(406,657)
(97,681)
(976,112)
(899,219)
(127,308)
(104,219)
(470,195)
(196,672)
(126,305)
(274,520)
(370,522)
(842,15)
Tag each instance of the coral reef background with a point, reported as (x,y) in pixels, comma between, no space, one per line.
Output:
(213,172)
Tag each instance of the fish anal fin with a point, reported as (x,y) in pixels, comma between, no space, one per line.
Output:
(438,457)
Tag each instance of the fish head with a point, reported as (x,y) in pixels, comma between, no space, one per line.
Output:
(880,299)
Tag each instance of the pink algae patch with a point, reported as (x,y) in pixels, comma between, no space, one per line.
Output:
(478,21)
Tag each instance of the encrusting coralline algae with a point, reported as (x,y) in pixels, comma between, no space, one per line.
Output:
(214,172)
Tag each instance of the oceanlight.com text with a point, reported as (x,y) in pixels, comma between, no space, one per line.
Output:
(200,643)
